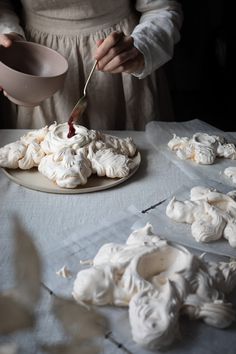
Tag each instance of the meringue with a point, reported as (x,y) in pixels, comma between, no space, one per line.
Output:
(64,272)
(157,282)
(69,162)
(231,173)
(202,148)
(212,214)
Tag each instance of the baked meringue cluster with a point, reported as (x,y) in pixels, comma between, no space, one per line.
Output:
(230,172)
(69,162)
(212,214)
(202,148)
(157,282)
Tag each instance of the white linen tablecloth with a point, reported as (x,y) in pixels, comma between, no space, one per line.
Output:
(66,225)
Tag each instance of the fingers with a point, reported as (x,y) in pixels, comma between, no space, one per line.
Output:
(107,44)
(117,54)
(129,67)
(99,42)
(7,39)
(121,62)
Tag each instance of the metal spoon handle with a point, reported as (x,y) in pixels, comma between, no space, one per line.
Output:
(89,77)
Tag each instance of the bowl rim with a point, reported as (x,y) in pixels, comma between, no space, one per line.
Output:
(37,76)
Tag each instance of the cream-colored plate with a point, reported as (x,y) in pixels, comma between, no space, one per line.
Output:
(33,179)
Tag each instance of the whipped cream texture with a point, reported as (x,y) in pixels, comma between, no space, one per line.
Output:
(202,148)
(69,162)
(212,214)
(157,282)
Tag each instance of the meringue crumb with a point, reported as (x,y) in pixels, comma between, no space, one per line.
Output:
(86,262)
(64,272)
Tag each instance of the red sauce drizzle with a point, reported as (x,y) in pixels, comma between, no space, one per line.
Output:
(73,118)
(71,131)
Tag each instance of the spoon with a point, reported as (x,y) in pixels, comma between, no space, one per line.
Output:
(80,106)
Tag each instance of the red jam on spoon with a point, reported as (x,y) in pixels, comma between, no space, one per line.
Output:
(76,113)
(71,131)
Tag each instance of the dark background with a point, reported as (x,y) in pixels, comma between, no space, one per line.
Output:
(202,72)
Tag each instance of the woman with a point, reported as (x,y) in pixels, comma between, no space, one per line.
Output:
(130,39)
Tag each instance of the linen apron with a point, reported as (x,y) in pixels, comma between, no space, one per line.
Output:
(115,101)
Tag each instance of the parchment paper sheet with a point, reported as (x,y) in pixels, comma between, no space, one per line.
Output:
(159,134)
(180,232)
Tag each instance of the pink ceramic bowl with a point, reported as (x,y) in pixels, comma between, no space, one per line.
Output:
(30,72)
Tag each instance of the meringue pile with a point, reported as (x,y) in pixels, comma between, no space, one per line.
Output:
(212,214)
(157,282)
(202,148)
(230,172)
(69,162)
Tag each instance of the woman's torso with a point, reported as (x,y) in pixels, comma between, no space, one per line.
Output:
(72,28)
(75,9)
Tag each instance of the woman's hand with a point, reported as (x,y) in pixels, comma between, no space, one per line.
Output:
(7,39)
(117,54)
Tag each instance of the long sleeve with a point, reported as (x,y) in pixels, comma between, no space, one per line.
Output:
(9,21)
(157,32)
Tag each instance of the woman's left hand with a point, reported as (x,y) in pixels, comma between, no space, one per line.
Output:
(117,54)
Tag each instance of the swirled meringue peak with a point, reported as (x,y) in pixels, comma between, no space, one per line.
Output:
(158,282)
(69,162)
(212,214)
(57,138)
(202,148)
(66,168)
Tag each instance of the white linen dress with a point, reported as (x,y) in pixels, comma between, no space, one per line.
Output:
(115,101)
